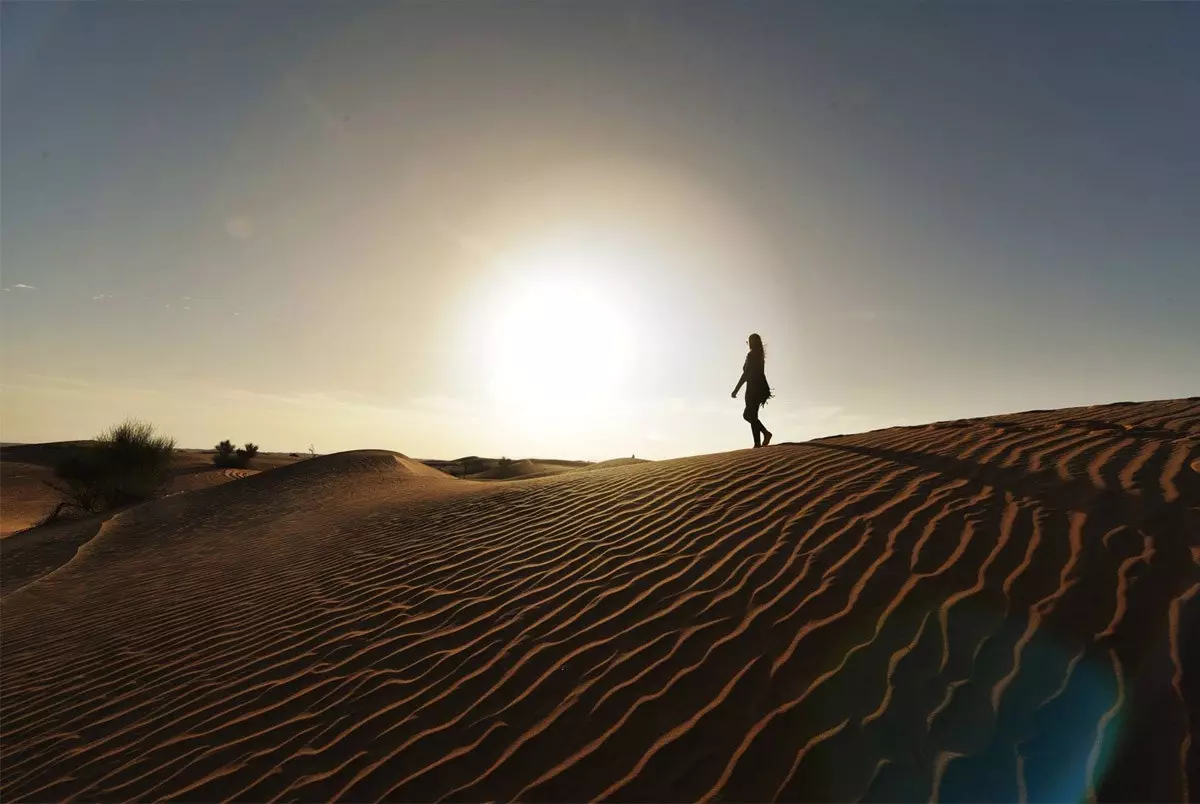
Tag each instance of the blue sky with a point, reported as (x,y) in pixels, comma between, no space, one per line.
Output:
(299,222)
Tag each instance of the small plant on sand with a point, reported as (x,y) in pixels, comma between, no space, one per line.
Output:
(225,454)
(238,458)
(505,463)
(127,463)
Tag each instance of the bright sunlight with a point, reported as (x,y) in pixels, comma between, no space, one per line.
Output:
(561,337)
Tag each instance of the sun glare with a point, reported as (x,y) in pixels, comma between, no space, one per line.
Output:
(562,343)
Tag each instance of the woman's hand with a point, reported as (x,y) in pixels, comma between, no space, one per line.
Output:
(733,395)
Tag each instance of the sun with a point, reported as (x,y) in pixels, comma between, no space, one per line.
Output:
(562,342)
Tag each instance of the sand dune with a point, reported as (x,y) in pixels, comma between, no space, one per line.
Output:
(520,469)
(26,470)
(476,468)
(26,497)
(614,462)
(1003,608)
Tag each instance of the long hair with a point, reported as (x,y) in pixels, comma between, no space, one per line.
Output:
(756,347)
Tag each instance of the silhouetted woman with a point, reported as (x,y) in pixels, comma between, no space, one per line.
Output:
(754,377)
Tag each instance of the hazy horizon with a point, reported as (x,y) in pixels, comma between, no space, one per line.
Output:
(547,229)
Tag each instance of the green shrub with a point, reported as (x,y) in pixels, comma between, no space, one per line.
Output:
(127,463)
(225,454)
(238,458)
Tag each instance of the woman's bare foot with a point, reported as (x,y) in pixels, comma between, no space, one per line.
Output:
(767,438)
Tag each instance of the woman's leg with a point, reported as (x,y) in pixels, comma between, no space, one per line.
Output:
(750,414)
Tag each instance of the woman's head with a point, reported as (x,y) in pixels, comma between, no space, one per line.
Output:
(755,343)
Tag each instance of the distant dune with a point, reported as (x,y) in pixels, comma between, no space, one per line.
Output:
(27,469)
(476,468)
(991,609)
(24,496)
(616,462)
(520,469)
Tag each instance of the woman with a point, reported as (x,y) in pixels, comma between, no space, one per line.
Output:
(757,390)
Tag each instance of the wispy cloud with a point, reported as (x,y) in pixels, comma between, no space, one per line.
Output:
(341,400)
(55,379)
(102,297)
(239,227)
(297,87)
(77,389)
(48,383)
(473,246)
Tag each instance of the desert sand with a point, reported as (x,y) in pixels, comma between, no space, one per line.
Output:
(27,496)
(26,478)
(990,609)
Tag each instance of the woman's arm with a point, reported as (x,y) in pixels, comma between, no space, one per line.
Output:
(738,387)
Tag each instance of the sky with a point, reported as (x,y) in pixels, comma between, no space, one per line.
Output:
(546,229)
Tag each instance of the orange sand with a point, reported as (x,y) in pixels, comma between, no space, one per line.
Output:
(27,469)
(999,609)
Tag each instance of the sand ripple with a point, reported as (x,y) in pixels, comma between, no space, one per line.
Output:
(996,609)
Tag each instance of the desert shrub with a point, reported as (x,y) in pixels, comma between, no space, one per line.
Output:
(225,454)
(246,454)
(505,462)
(473,464)
(238,458)
(78,478)
(127,463)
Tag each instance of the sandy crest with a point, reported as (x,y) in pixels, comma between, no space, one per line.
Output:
(1003,608)
(27,481)
(26,496)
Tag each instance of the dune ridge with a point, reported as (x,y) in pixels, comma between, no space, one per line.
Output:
(27,480)
(1000,608)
